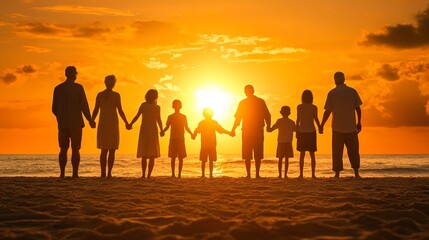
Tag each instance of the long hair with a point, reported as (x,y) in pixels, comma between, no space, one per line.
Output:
(307,96)
(151,96)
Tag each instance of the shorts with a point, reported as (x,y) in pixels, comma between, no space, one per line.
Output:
(253,146)
(209,153)
(65,135)
(177,148)
(284,150)
(306,141)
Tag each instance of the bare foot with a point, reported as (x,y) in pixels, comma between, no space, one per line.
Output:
(301,176)
(280,176)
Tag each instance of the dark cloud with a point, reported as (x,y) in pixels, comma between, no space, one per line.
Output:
(90,30)
(354,77)
(388,72)
(405,106)
(8,78)
(403,35)
(26,69)
(38,28)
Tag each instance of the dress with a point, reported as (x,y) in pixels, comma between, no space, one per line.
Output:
(108,125)
(148,145)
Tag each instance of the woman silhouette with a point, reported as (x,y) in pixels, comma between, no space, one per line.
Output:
(109,104)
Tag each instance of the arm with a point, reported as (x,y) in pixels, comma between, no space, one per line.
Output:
(167,124)
(267,116)
(220,129)
(54,103)
(298,117)
(85,109)
(130,126)
(326,115)
(187,127)
(316,118)
(159,121)
(359,116)
(120,111)
(96,108)
(274,127)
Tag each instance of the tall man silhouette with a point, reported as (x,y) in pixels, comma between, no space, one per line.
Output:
(253,111)
(68,105)
(343,102)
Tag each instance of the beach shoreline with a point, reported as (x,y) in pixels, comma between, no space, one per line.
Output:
(220,208)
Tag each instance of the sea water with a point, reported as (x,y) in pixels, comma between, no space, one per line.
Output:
(127,165)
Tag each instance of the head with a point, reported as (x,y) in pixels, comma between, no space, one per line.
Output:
(71,73)
(285,111)
(110,81)
(208,112)
(339,78)
(151,96)
(177,105)
(249,90)
(307,96)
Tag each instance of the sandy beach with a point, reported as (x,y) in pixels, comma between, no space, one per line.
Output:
(222,208)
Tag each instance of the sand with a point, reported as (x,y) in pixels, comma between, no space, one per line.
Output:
(222,208)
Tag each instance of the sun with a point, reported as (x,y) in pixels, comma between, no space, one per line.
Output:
(220,101)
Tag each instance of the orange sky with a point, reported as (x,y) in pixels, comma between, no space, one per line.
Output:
(191,50)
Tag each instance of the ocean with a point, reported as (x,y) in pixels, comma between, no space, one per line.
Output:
(127,165)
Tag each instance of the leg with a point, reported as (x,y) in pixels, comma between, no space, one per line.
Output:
(151,165)
(144,164)
(111,162)
(313,165)
(62,159)
(286,166)
(211,168)
(258,167)
(203,169)
(103,162)
(248,166)
(75,158)
(301,164)
(280,165)
(337,152)
(180,166)
(352,144)
(173,166)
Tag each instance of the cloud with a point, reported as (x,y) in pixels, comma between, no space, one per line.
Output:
(388,72)
(36,49)
(8,78)
(26,69)
(60,31)
(403,35)
(406,106)
(225,39)
(154,63)
(229,53)
(166,78)
(77,9)
(354,77)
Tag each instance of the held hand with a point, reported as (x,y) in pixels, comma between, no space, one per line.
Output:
(193,136)
(162,133)
(359,127)
(129,126)
(92,124)
(321,130)
(232,134)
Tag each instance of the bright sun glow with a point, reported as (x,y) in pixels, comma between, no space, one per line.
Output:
(217,99)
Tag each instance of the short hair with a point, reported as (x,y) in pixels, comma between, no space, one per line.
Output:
(70,70)
(307,96)
(339,77)
(110,81)
(151,96)
(177,103)
(285,111)
(248,89)
(207,112)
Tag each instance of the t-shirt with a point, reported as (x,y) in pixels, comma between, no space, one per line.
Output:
(208,129)
(307,112)
(178,123)
(286,128)
(342,102)
(253,111)
(68,105)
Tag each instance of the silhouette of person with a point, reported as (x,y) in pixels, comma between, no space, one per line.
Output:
(109,104)
(176,147)
(343,102)
(286,128)
(69,102)
(254,114)
(306,132)
(208,128)
(148,145)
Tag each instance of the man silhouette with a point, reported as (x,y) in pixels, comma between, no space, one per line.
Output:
(68,104)
(343,102)
(253,111)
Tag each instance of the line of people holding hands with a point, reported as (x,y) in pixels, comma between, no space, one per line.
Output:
(69,103)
